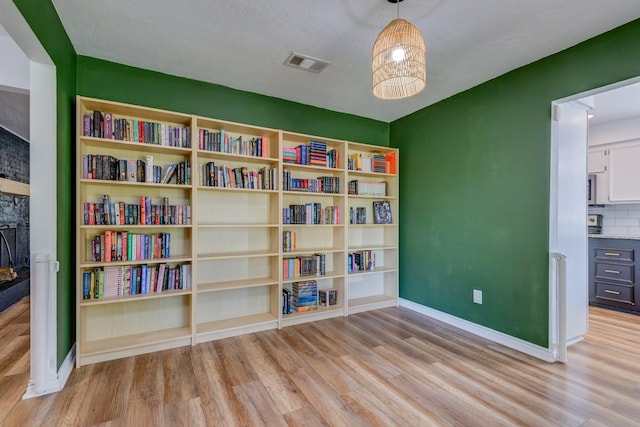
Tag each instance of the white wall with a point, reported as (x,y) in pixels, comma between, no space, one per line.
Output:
(14,72)
(620,130)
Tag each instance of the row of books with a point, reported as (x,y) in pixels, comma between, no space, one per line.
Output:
(301,266)
(223,142)
(289,241)
(357,215)
(325,297)
(109,168)
(311,213)
(105,125)
(322,184)
(367,188)
(123,280)
(112,246)
(373,162)
(313,154)
(144,213)
(361,261)
(239,177)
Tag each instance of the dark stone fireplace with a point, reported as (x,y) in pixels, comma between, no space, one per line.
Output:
(14,218)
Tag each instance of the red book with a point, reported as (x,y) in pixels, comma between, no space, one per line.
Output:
(265,146)
(125,243)
(143,215)
(107,246)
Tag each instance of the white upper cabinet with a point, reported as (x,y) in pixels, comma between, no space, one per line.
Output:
(597,160)
(624,172)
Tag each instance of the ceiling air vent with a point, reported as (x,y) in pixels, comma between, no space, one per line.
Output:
(304,62)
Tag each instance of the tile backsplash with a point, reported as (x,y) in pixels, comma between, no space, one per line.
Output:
(619,220)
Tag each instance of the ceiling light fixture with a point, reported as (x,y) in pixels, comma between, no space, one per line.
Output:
(398,60)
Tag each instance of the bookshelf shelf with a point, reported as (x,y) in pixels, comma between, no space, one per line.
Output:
(238,190)
(240,226)
(319,169)
(204,257)
(231,254)
(357,173)
(303,252)
(373,248)
(133,146)
(152,261)
(357,305)
(133,298)
(141,227)
(362,196)
(311,193)
(377,270)
(321,313)
(237,284)
(241,158)
(328,275)
(135,344)
(146,185)
(236,326)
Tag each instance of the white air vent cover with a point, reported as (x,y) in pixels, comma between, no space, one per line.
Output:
(305,62)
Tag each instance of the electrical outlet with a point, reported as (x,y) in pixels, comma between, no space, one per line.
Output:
(477,296)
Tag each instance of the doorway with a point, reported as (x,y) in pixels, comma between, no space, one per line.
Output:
(45,377)
(568,320)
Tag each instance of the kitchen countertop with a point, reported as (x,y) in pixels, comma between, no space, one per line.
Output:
(613,236)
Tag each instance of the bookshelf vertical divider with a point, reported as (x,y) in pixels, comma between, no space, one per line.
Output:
(207,252)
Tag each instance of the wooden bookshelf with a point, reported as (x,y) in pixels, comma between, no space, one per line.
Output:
(233,244)
(376,287)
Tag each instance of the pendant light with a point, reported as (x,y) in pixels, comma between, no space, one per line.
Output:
(398,60)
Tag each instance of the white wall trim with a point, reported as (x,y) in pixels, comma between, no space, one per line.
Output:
(482,331)
(57,383)
(42,218)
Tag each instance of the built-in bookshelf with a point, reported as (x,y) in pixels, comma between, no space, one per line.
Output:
(191,229)
(237,229)
(313,209)
(372,249)
(132,228)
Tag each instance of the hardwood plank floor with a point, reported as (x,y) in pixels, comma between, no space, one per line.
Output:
(383,368)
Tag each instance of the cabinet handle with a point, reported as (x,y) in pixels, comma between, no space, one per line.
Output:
(612,271)
(611,254)
(608,291)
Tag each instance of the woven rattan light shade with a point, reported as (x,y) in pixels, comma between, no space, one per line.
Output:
(405,75)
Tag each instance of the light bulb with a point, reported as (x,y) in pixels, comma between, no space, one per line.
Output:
(398,54)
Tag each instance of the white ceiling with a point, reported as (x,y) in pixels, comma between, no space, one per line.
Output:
(243,43)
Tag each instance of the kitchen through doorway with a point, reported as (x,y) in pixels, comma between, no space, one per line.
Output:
(568,238)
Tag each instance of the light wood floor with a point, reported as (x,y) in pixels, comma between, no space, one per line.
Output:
(383,368)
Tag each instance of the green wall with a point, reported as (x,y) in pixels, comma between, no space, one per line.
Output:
(45,24)
(116,82)
(474,168)
(475,187)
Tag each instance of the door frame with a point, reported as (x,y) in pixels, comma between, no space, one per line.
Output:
(44,375)
(559,283)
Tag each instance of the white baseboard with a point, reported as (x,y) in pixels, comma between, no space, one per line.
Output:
(56,384)
(482,331)
(67,367)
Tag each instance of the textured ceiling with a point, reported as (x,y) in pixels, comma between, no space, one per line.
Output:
(243,43)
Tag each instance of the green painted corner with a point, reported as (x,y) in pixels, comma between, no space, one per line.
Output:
(45,24)
(476,167)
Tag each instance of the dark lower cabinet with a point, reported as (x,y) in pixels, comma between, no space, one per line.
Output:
(612,273)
